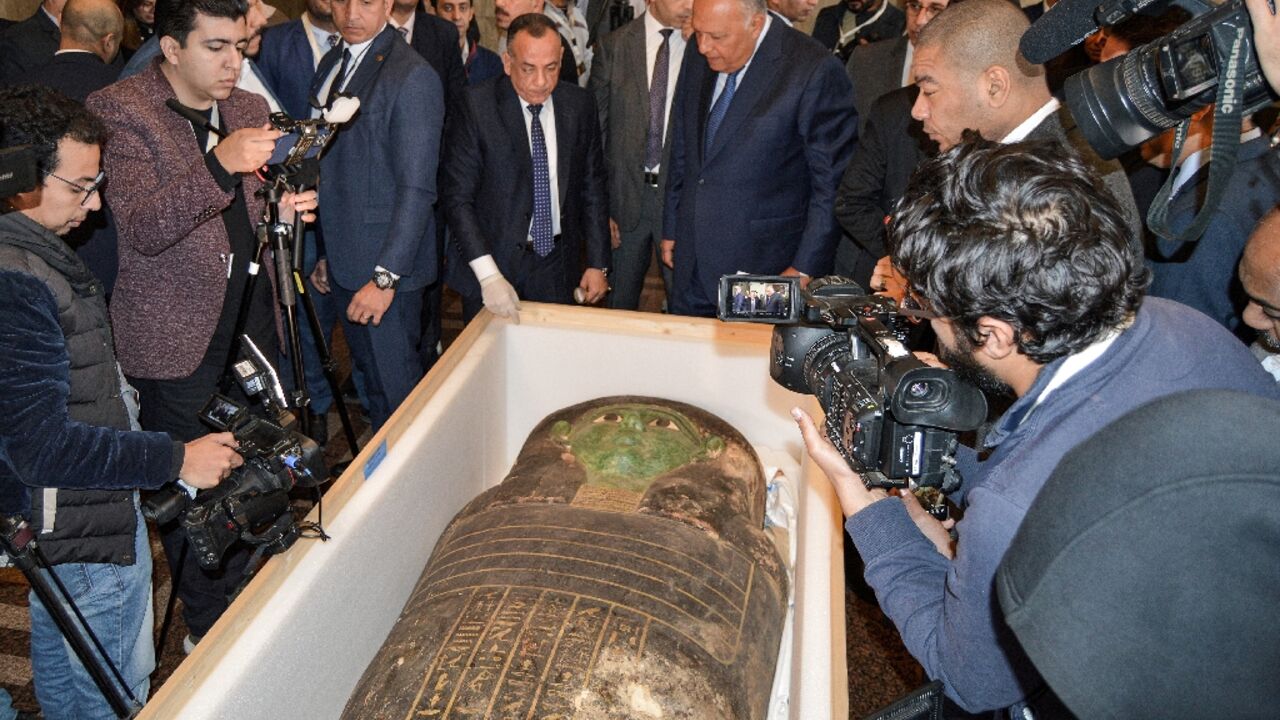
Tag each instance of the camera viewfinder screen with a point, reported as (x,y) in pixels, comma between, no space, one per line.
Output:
(756,300)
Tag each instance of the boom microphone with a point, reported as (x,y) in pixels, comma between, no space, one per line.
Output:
(194,117)
(1059,29)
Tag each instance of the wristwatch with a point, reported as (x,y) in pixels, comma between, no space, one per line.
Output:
(384,280)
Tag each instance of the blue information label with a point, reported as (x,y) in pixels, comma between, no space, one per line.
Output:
(375,460)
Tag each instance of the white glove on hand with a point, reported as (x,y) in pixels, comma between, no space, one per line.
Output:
(500,298)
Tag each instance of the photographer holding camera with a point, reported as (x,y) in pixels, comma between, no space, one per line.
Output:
(71,460)
(1027,261)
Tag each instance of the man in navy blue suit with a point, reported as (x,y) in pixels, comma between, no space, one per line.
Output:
(525,183)
(761,131)
(378,181)
(478,63)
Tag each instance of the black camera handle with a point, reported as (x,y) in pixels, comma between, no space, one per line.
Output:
(18,541)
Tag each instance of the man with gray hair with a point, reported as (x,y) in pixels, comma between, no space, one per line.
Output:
(762,127)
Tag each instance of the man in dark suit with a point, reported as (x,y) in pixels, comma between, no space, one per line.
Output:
(525,190)
(850,23)
(436,40)
(634,82)
(378,183)
(890,147)
(762,128)
(29,44)
(478,63)
(878,67)
(91,31)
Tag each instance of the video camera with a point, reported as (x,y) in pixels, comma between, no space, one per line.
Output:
(17,170)
(894,419)
(253,503)
(1132,98)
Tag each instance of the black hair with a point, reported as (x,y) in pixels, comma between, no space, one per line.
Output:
(1023,233)
(536,24)
(38,116)
(177,18)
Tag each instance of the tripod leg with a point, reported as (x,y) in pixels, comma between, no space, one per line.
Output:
(327,363)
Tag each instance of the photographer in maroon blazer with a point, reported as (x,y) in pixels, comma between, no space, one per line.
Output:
(186,208)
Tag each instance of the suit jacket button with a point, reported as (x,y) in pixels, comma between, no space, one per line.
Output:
(701,181)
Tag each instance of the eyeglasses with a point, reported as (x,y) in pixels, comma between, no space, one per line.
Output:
(89,189)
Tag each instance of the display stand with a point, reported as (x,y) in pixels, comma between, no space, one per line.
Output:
(296,641)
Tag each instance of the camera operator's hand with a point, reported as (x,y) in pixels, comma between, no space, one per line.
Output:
(792,272)
(667,252)
(887,281)
(594,286)
(369,304)
(305,202)
(246,149)
(1266,38)
(937,531)
(320,276)
(853,495)
(209,460)
(500,298)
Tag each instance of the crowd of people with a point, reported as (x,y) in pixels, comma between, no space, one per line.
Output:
(913,150)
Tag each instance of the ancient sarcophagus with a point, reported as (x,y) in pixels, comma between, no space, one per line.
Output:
(619,571)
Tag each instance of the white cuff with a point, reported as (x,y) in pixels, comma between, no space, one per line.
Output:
(483,267)
(379,268)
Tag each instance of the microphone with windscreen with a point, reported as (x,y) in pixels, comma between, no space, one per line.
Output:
(1069,22)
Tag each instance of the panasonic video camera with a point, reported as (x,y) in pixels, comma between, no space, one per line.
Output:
(894,419)
(253,503)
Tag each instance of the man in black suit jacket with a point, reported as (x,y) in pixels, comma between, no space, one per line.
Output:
(436,40)
(850,23)
(890,147)
(29,44)
(91,32)
(510,166)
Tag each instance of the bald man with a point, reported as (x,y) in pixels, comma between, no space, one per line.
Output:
(1260,278)
(91,32)
(972,77)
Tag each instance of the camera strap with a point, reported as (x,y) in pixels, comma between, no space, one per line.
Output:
(1227,114)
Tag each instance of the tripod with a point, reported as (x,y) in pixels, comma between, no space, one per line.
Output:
(18,541)
(291,285)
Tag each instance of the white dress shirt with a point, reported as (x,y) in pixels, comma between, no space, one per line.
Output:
(1021,132)
(408,26)
(907,79)
(675,58)
(318,39)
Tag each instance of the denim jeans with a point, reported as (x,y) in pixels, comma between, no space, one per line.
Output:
(116,602)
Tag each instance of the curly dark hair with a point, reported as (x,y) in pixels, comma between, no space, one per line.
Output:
(38,116)
(1023,233)
(177,18)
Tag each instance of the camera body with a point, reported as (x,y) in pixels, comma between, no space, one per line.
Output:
(894,419)
(252,504)
(1130,99)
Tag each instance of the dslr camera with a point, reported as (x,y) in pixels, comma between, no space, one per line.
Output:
(894,419)
(253,503)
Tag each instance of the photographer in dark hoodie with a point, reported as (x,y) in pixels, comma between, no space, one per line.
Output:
(71,457)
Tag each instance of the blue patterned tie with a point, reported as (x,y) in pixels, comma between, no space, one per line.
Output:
(718,110)
(543,241)
(658,102)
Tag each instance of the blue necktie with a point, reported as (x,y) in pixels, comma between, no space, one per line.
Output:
(543,241)
(658,102)
(718,110)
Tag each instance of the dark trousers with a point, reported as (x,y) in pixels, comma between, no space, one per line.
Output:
(385,354)
(638,246)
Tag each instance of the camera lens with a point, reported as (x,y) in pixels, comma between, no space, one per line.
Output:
(1118,104)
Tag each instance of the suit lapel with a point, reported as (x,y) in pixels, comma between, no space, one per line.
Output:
(704,94)
(322,71)
(752,89)
(378,51)
(633,56)
(512,113)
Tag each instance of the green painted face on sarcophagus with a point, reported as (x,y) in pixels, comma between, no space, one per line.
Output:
(627,445)
(620,570)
